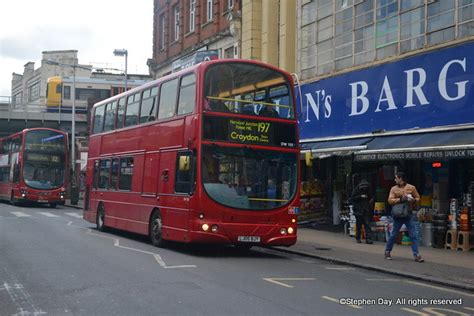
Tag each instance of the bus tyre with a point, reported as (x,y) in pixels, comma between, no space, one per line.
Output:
(156,230)
(100,218)
(13,201)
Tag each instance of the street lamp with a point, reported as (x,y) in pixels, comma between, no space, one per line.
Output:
(73,118)
(123,52)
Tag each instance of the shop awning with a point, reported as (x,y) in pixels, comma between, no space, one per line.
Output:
(341,147)
(430,145)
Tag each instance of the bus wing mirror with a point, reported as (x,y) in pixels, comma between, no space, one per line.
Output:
(184,163)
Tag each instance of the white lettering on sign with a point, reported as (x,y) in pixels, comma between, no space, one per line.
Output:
(315,104)
(320,102)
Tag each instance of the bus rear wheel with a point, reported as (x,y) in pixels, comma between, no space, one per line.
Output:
(155,230)
(100,218)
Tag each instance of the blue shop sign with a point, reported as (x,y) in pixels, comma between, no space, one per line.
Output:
(427,90)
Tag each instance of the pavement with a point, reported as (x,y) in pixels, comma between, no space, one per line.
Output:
(445,267)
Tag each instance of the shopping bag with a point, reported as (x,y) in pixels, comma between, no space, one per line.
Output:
(400,210)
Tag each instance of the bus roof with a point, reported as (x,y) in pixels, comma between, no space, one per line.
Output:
(203,65)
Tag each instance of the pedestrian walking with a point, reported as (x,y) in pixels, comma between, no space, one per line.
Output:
(362,200)
(404,199)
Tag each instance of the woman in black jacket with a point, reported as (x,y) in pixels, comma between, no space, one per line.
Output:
(361,203)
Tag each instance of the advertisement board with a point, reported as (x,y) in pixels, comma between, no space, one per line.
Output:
(426,90)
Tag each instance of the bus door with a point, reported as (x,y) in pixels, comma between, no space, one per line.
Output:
(174,199)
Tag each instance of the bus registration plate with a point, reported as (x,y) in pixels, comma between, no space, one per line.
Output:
(248,238)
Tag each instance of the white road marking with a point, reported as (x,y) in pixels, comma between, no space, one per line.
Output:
(469,308)
(384,280)
(157,257)
(335,300)
(438,311)
(339,268)
(20,214)
(74,215)
(21,298)
(274,280)
(414,311)
(48,214)
(440,288)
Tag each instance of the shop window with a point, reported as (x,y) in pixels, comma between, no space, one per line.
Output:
(466,18)
(412,29)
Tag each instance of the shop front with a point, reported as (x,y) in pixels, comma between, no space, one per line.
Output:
(414,115)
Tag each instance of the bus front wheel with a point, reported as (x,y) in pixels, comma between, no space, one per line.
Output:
(100,218)
(155,230)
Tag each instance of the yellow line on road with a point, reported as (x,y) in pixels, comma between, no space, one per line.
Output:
(335,300)
(440,288)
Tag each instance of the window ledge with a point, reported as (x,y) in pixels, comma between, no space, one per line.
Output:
(207,23)
(189,33)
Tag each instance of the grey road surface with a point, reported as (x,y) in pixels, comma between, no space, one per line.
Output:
(54,263)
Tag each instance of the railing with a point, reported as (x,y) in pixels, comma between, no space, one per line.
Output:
(5,103)
(38,110)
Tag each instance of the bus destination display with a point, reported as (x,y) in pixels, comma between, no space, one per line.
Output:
(249,132)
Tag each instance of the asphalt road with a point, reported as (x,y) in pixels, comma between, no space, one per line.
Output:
(54,263)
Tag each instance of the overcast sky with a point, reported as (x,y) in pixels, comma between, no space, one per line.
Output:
(93,27)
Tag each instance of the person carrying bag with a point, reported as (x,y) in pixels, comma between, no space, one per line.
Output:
(404,199)
(362,203)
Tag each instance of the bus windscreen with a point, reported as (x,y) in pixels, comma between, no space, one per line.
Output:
(248,89)
(44,161)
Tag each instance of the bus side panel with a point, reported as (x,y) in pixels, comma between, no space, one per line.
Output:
(174,208)
(166,134)
(150,174)
(94,146)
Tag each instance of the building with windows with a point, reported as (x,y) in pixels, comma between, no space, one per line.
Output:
(250,29)
(30,89)
(184,27)
(387,86)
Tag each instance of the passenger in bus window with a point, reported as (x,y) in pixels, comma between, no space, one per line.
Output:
(268,111)
(217,105)
(248,109)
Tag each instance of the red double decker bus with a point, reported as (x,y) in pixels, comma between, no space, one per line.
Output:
(33,166)
(205,155)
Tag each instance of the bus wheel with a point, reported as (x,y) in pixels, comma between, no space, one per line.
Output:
(13,201)
(155,230)
(52,205)
(100,218)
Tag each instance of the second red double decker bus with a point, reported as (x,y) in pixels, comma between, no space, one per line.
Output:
(33,166)
(206,155)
